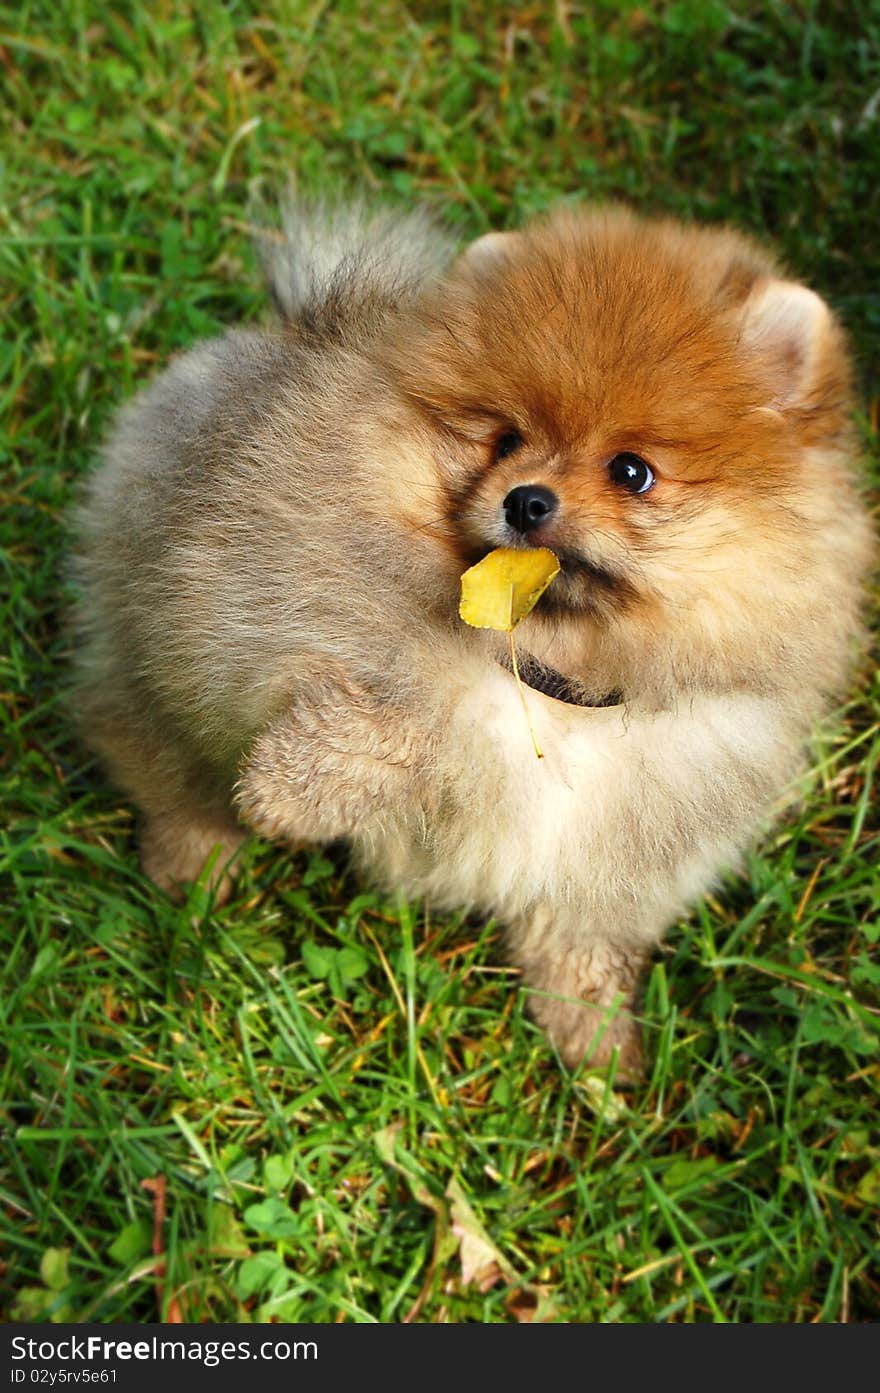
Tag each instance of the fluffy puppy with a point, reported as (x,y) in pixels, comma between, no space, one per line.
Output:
(270,553)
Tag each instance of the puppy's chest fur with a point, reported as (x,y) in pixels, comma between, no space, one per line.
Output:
(627,815)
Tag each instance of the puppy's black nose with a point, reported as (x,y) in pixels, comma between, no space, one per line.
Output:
(526,507)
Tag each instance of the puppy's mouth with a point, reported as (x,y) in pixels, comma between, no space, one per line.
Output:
(583,587)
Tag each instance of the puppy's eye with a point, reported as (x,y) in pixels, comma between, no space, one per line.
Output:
(632,473)
(507,443)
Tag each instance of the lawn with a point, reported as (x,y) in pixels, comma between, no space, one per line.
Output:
(337,1101)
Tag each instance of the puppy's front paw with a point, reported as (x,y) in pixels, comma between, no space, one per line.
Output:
(338,759)
(175,849)
(587,1034)
(582,993)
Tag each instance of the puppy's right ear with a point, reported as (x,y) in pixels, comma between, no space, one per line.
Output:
(791,332)
(489,250)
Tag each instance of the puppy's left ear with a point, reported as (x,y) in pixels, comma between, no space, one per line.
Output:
(489,250)
(791,331)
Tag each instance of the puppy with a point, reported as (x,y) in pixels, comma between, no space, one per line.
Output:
(270,557)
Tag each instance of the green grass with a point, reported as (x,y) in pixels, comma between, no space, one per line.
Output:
(332,1087)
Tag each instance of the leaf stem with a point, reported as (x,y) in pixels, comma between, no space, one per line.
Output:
(522,692)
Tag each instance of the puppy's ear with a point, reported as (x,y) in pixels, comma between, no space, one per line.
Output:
(489,250)
(790,330)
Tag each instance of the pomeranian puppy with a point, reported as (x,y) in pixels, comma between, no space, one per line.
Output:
(270,558)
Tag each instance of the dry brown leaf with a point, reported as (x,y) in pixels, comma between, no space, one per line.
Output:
(482,1263)
(532,1305)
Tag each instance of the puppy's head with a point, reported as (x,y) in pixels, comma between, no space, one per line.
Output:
(664,410)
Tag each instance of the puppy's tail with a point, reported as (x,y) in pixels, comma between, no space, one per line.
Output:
(339,270)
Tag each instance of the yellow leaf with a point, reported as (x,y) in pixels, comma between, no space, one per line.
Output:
(502,588)
(500,591)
